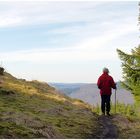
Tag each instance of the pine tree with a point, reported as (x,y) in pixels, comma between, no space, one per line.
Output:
(131,68)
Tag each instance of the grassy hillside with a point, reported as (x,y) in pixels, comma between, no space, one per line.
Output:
(128,126)
(35,110)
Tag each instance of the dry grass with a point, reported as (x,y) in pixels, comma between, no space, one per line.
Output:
(35,110)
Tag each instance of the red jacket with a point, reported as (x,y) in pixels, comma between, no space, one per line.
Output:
(105,83)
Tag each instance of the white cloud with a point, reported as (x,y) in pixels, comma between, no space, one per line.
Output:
(88,49)
(53,12)
(46,12)
(52,56)
(94,30)
(10,21)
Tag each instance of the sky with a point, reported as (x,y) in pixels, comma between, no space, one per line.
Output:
(66,41)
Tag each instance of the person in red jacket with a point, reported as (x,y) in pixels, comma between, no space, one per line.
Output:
(105,84)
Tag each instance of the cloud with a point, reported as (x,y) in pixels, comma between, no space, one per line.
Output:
(89,49)
(95,34)
(10,21)
(43,12)
(53,56)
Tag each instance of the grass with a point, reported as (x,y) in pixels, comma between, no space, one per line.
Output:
(10,129)
(128,119)
(35,110)
(128,126)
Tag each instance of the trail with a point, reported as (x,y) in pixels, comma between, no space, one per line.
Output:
(107,129)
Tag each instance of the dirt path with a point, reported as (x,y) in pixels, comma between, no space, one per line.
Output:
(107,129)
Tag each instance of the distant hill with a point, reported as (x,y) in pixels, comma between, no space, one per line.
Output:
(90,93)
(67,88)
(33,109)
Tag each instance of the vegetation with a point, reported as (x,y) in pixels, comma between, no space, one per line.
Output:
(1,70)
(131,70)
(128,122)
(35,110)
(128,127)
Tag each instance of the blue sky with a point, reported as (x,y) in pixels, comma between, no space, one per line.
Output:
(63,41)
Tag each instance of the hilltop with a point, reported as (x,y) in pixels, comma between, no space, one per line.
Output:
(33,109)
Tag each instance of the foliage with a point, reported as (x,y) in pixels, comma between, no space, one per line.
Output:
(128,126)
(127,110)
(1,70)
(131,69)
(33,109)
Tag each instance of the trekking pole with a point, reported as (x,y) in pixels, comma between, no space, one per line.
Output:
(115,101)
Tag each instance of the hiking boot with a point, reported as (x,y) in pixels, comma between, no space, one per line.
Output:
(103,113)
(108,114)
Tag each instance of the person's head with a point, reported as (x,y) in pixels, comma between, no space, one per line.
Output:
(105,70)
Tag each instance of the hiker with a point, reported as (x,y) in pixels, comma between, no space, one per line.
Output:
(105,83)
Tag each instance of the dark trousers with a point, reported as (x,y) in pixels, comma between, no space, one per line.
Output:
(105,103)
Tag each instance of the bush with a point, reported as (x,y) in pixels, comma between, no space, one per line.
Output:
(1,70)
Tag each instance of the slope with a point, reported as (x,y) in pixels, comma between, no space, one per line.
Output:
(33,109)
